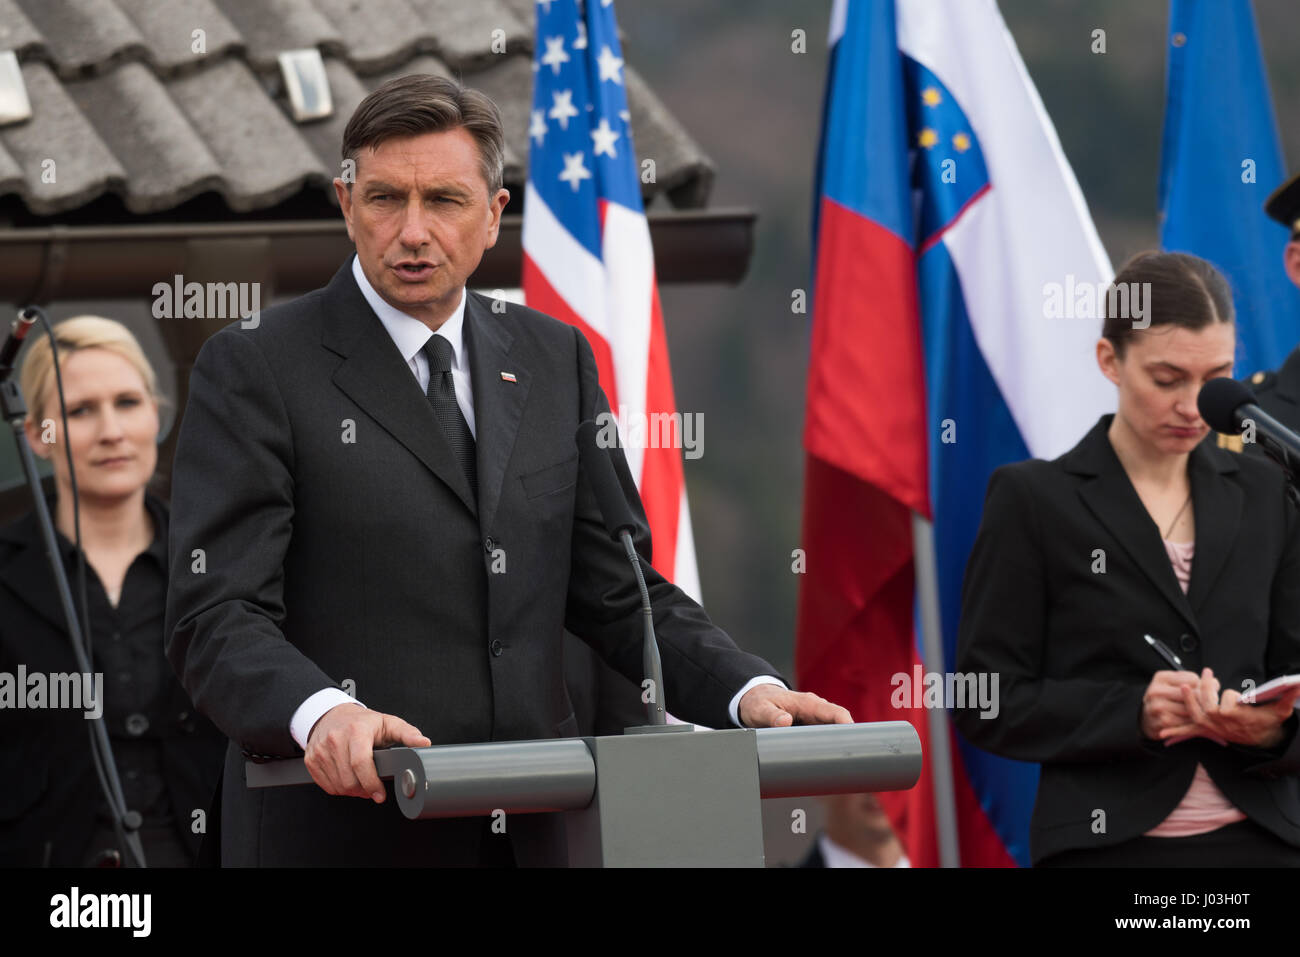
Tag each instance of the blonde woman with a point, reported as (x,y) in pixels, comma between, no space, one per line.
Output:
(51,811)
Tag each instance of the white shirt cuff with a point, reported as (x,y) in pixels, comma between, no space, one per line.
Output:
(311,710)
(734,708)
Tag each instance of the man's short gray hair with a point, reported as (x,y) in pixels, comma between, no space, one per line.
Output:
(423,103)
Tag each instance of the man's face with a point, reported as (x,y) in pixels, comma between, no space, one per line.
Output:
(421,217)
(1291,261)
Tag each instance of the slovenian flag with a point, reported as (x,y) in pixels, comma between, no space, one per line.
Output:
(588,258)
(953,329)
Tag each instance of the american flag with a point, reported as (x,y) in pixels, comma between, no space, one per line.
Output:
(587,253)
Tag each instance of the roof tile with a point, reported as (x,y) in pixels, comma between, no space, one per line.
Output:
(85,36)
(238,122)
(11,173)
(64,162)
(466,32)
(269,26)
(171,31)
(16,31)
(125,104)
(165,157)
(381,33)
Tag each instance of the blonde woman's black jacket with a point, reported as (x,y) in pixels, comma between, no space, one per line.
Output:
(49,797)
(1067,574)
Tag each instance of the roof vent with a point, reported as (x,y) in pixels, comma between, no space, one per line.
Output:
(306,83)
(14,105)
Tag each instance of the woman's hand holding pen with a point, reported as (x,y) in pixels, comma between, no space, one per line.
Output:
(1163,707)
(1208,714)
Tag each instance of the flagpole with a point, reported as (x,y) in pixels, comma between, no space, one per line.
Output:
(927,593)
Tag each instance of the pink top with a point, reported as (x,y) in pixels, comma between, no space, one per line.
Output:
(1204,807)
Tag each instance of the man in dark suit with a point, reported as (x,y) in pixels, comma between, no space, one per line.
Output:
(378,499)
(604,702)
(858,833)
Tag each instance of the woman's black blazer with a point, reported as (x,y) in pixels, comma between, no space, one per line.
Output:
(1067,574)
(49,795)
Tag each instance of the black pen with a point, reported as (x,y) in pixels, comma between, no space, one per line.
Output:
(1166,653)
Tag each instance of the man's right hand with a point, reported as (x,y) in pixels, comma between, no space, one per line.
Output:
(340,749)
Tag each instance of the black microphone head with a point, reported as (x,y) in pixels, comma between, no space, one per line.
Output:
(1219,399)
(603,480)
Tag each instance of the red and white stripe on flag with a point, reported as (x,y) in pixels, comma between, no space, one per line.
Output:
(588,259)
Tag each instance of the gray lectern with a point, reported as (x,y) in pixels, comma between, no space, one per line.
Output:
(661,796)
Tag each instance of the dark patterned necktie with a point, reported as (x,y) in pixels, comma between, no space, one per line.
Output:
(441,394)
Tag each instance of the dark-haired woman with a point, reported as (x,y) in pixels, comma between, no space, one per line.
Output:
(1144,528)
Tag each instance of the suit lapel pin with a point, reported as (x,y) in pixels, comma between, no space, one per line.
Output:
(508,377)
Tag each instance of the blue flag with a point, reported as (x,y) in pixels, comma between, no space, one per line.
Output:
(1221,159)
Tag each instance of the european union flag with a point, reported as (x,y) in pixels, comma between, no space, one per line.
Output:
(1221,158)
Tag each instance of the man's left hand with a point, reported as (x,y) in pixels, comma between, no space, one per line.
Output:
(771,706)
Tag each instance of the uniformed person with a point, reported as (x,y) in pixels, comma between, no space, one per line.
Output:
(1278,391)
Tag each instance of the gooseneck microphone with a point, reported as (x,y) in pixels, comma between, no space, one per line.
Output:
(1230,407)
(620,523)
(14,340)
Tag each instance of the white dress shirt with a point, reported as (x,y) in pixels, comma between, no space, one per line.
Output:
(410,335)
(836,856)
